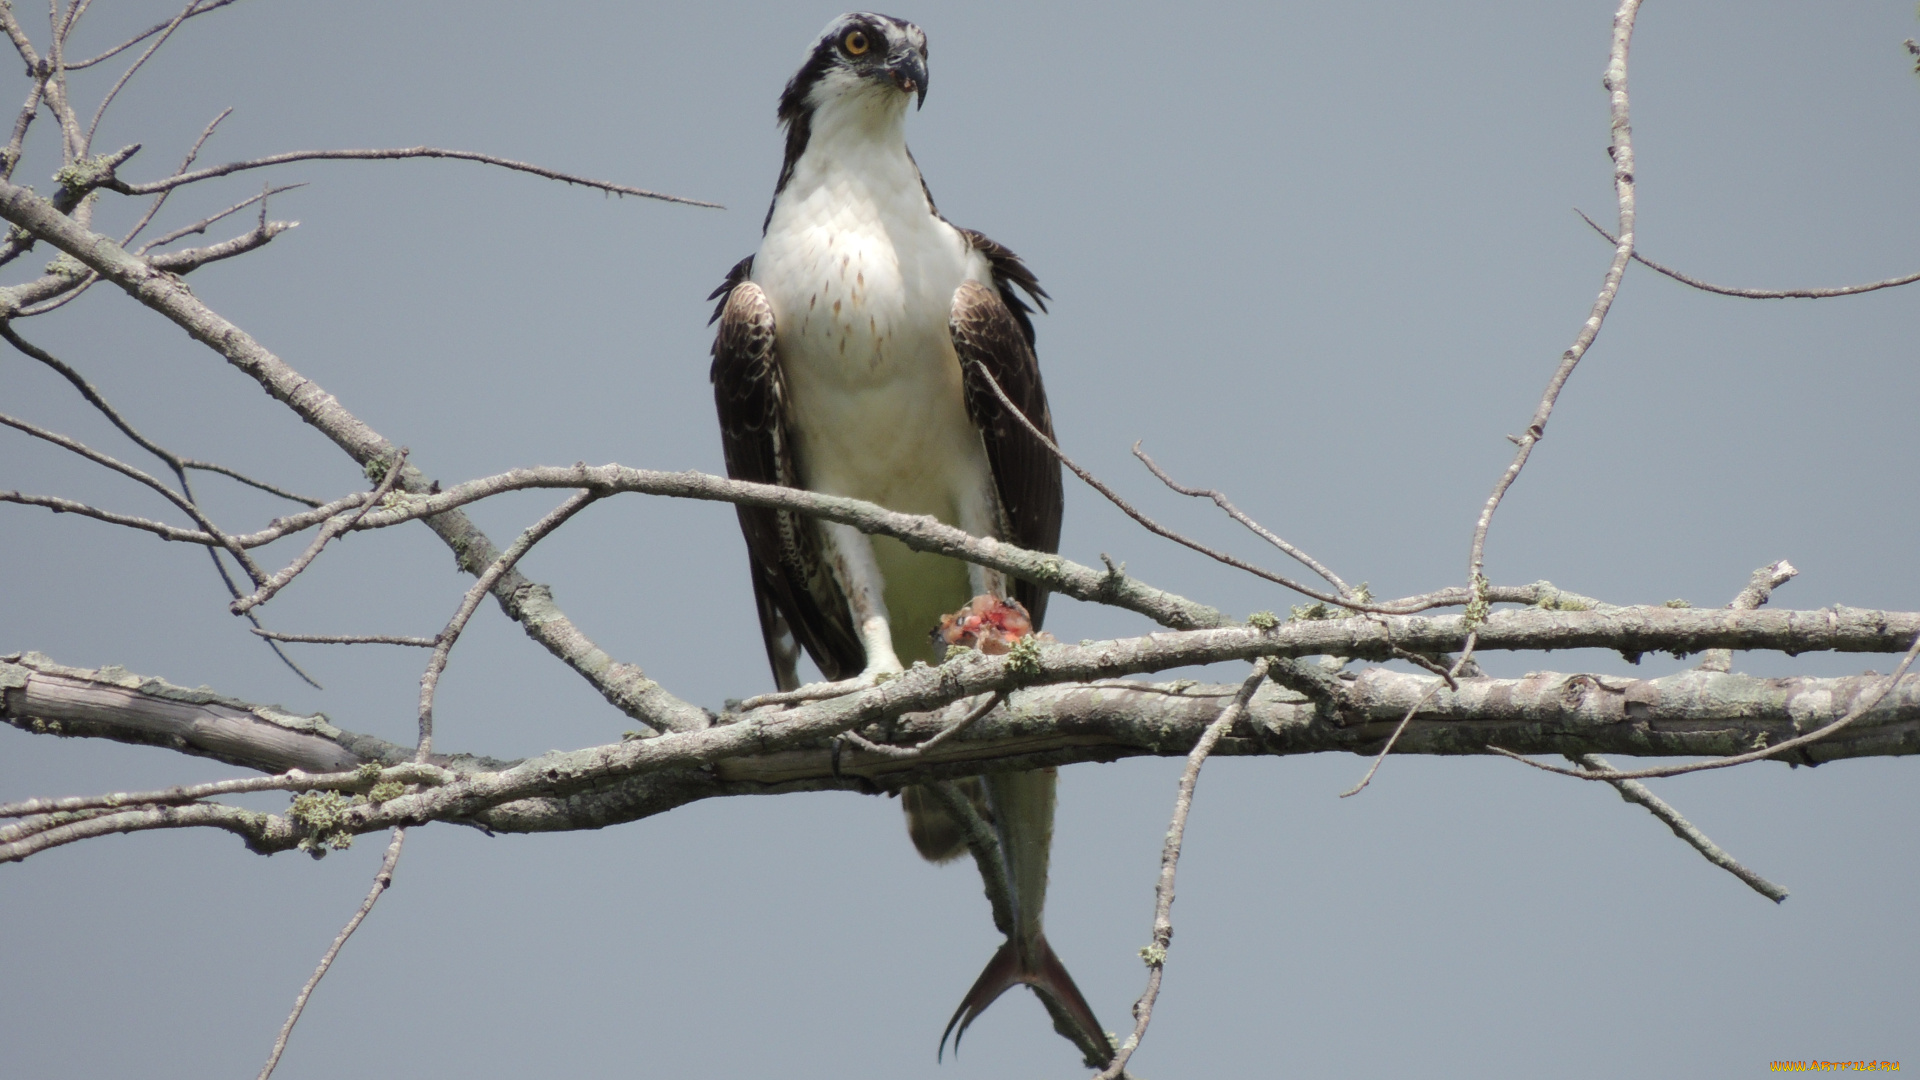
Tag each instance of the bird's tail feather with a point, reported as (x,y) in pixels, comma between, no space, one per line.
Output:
(1035,966)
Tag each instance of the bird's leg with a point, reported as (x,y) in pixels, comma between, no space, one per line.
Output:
(986,581)
(850,554)
(859,576)
(979,513)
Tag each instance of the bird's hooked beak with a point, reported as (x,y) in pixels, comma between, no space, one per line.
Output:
(909,72)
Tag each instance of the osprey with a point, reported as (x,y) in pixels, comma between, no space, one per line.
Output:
(852,358)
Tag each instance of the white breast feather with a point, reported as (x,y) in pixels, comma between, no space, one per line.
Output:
(861,277)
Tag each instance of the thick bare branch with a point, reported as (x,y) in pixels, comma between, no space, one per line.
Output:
(1692,714)
(1879,689)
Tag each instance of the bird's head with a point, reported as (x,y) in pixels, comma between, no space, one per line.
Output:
(859,57)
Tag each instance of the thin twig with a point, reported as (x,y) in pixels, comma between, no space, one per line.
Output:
(69,506)
(160,200)
(91,824)
(179,466)
(908,753)
(127,75)
(10,158)
(1427,663)
(396,154)
(1758,294)
(355,780)
(193,152)
(350,639)
(75,8)
(185,504)
(87,391)
(261,485)
(1155,527)
(1155,954)
(271,587)
(1635,792)
(483,584)
(181,262)
(200,227)
(381,882)
(1252,526)
(74,143)
(1111,586)
(1446,679)
(202,9)
(93,396)
(217,539)
(1621,150)
(31,825)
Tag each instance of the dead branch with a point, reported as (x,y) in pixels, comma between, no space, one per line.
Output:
(382,880)
(624,685)
(1155,953)
(1758,294)
(1635,792)
(1621,150)
(396,154)
(1047,722)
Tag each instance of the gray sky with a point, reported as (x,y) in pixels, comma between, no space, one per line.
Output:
(1320,256)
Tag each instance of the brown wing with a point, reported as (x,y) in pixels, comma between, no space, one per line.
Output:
(799,602)
(991,331)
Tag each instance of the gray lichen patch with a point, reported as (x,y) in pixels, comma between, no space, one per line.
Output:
(1024,657)
(322,815)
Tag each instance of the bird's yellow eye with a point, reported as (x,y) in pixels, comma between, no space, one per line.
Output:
(856,43)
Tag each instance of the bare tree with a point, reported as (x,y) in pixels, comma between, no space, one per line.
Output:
(1317,680)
